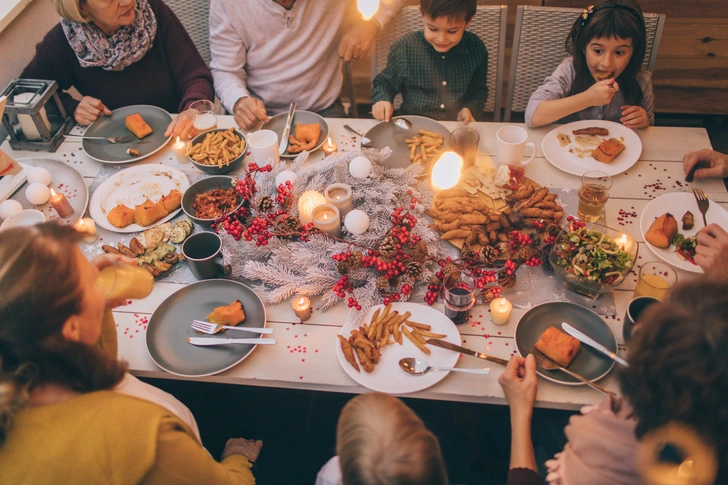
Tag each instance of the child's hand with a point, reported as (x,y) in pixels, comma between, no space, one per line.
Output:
(465,116)
(634,117)
(601,93)
(382,111)
(519,384)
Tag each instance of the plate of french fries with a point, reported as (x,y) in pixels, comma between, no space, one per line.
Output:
(217,151)
(370,350)
(423,143)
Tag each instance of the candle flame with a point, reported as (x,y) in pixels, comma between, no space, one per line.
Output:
(301,301)
(623,241)
(367,8)
(177,139)
(503,302)
(446,171)
(329,142)
(53,192)
(80,223)
(326,216)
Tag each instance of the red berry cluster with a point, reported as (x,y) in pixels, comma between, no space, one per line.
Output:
(518,239)
(533,262)
(496,291)
(433,293)
(342,286)
(575,224)
(259,229)
(486,277)
(510,266)
(285,192)
(232,223)
(413,199)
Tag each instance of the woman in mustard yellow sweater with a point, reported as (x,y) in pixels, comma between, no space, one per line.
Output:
(59,420)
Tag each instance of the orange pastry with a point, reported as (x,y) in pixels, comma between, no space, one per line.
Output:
(171,201)
(148,213)
(120,216)
(558,346)
(136,124)
(608,150)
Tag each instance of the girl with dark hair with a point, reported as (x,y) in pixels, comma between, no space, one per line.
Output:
(603,79)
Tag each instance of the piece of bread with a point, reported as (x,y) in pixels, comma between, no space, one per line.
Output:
(608,150)
(136,124)
(148,213)
(120,216)
(232,314)
(661,231)
(171,201)
(558,346)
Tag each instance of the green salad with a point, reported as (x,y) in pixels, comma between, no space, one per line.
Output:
(591,254)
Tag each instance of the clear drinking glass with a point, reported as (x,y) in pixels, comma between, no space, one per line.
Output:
(593,195)
(464,141)
(205,119)
(124,281)
(655,280)
(458,293)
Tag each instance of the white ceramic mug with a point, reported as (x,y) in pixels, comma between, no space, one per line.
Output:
(264,147)
(511,145)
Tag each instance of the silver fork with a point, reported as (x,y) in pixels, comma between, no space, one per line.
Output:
(548,364)
(211,328)
(111,139)
(703,202)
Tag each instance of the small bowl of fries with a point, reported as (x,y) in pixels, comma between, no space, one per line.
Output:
(218,152)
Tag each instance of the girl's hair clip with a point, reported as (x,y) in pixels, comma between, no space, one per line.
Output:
(587,11)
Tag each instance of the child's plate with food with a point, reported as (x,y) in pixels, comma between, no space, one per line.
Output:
(587,145)
(138,198)
(309,131)
(408,145)
(375,364)
(669,224)
(170,327)
(535,329)
(133,122)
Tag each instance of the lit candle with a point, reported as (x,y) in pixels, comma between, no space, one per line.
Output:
(61,204)
(308,201)
(302,308)
(326,218)
(180,151)
(367,8)
(329,147)
(446,171)
(340,196)
(87,227)
(624,243)
(500,311)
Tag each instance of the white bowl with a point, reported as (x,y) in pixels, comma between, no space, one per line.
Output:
(27,217)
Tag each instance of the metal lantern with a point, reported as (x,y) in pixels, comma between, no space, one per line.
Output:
(34,116)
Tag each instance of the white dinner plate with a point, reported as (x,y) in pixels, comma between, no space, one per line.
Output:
(132,187)
(387,375)
(677,203)
(561,158)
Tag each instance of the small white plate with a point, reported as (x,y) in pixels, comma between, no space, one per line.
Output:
(561,158)
(132,187)
(677,203)
(387,375)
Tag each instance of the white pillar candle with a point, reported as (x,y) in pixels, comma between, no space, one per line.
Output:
(87,227)
(326,218)
(308,201)
(27,125)
(180,151)
(340,196)
(302,307)
(500,311)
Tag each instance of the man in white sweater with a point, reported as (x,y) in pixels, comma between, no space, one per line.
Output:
(269,53)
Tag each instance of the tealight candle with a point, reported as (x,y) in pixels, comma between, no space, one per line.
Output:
(87,227)
(340,196)
(308,201)
(61,204)
(329,147)
(446,171)
(180,151)
(624,243)
(500,311)
(326,218)
(302,308)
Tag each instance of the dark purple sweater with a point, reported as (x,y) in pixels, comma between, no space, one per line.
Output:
(171,74)
(523,476)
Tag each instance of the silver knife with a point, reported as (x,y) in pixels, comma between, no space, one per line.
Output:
(283,145)
(592,343)
(227,341)
(463,350)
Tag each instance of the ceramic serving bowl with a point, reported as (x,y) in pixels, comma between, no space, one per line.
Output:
(216,169)
(205,185)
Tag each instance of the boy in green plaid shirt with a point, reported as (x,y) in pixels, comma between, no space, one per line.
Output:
(440,71)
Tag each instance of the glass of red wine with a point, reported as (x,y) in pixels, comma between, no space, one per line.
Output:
(458,293)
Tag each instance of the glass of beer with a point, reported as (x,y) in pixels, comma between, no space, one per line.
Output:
(205,119)
(464,141)
(655,280)
(593,194)
(124,281)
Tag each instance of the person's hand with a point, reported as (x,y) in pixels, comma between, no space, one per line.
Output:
(249,112)
(520,384)
(356,42)
(382,111)
(716,164)
(181,126)
(240,446)
(634,117)
(89,109)
(712,252)
(602,92)
(106,260)
(465,116)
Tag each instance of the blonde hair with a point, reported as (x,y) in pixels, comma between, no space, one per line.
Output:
(380,441)
(70,10)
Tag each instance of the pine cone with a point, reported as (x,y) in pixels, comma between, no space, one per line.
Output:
(394,282)
(488,296)
(467,251)
(449,269)
(234,182)
(388,247)
(382,283)
(413,270)
(435,280)
(525,253)
(386,259)
(488,254)
(504,250)
(422,247)
(291,224)
(343,267)
(265,204)
(355,260)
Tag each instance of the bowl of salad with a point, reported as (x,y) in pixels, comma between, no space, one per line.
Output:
(592,259)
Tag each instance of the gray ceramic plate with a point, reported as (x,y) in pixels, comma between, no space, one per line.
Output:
(389,135)
(65,180)
(588,362)
(278,122)
(115,125)
(169,328)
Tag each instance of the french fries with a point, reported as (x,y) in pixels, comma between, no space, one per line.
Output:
(218,148)
(424,147)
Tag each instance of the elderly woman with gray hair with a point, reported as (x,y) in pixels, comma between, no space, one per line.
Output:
(118,53)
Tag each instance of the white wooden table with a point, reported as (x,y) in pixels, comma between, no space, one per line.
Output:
(305,356)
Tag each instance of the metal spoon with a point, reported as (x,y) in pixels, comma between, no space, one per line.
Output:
(364,140)
(403,123)
(418,367)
